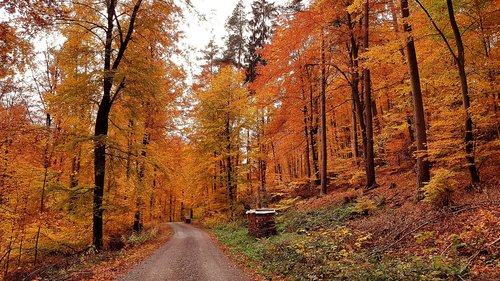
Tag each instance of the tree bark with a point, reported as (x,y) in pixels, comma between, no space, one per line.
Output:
(307,152)
(355,87)
(306,132)
(313,131)
(324,179)
(354,133)
(73,182)
(229,167)
(423,174)
(370,157)
(460,59)
(101,124)
(262,165)
(46,164)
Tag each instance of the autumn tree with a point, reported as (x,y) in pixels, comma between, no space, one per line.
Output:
(222,115)
(423,174)
(367,88)
(116,31)
(459,58)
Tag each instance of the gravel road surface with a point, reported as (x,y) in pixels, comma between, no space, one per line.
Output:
(190,255)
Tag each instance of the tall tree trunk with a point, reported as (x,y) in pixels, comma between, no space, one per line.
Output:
(249,163)
(277,165)
(324,179)
(354,133)
(152,199)
(73,182)
(23,234)
(335,145)
(46,164)
(236,168)
(460,59)
(410,128)
(313,131)
(358,106)
(173,208)
(182,205)
(370,157)
(101,131)
(101,124)
(140,177)
(7,254)
(307,152)
(142,165)
(423,174)
(164,212)
(262,165)
(129,148)
(229,168)
(215,175)
(306,131)
(110,175)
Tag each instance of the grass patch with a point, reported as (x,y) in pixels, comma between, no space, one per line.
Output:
(300,221)
(235,235)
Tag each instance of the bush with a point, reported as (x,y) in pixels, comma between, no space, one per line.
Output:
(358,179)
(440,188)
(138,238)
(364,206)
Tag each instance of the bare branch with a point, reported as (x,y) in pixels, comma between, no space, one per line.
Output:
(438,30)
(118,90)
(120,32)
(130,30)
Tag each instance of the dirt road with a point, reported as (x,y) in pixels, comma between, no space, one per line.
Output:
(190,255)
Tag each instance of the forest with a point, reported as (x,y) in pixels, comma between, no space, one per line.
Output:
(371,126)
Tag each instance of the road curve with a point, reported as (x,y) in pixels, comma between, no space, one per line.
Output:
(190,255)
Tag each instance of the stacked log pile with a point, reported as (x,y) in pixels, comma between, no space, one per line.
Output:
(261,222)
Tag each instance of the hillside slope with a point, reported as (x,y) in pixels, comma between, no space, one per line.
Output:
(382,234)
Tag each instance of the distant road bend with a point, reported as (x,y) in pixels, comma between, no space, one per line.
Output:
(190,255)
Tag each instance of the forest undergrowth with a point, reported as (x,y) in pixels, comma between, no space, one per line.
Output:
(379,235)
(128,251)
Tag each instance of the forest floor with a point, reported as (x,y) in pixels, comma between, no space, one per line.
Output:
(382,234)
(104,266)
